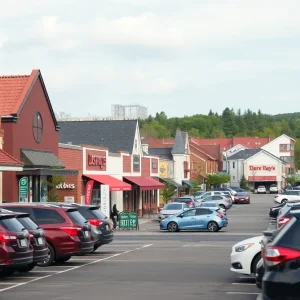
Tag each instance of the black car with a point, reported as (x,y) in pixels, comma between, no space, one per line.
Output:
(282,261)
(101,226)
(275,209)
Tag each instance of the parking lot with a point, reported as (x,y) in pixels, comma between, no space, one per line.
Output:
(148,263)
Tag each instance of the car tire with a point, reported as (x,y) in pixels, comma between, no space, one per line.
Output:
(255,261)
(51,258)
(63,259)
(27,268)
(212,226)
(283,200)
(173,227)
(7,272)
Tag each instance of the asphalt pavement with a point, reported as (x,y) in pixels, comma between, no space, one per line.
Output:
(149,264)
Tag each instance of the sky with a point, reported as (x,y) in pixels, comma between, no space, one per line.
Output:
(182,57)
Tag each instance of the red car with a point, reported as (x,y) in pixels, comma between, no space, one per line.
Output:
(15,248)
(67,232)
(242,197)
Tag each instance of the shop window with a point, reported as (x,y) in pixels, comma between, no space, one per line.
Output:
(37,127)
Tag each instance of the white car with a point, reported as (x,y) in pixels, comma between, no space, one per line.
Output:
(245,255)
(287,196)
(273,188)
(261,189)
(171,209)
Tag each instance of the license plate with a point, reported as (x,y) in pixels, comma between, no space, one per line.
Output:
(23,243)
(40,241)
(86,234)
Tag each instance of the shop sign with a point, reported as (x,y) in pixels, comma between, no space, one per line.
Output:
(69,199)
(88,192)
(65,186)
(262,168)
(128,220)
(105,201)
(23,189)
(136,163)
(163,169)
(97,161)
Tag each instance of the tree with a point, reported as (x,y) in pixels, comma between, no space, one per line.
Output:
(244,182)
(297,154)
(217,179)
(51,184)
(168,192)
(291,180)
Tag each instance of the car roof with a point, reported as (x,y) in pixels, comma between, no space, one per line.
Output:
(38,204)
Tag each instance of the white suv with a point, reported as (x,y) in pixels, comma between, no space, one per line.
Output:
(287,196)
(261,189)
(273,188)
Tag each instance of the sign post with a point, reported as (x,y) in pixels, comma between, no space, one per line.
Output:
(23,189)
(128,220)
(105,201)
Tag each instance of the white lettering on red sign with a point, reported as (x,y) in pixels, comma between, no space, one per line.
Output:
(65,186)
(97,160)
(262,168)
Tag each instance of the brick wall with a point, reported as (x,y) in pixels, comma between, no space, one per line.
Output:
(126,164)
(145,166)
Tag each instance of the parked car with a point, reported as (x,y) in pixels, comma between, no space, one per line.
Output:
(242,197)
(15,249)
(217,193)
(285,214)
(225,189)
(273,188)
(287,196)
(198,193)
(276,209)
(261,189)
(37,239)
(222,201)
(67,232)
(237,189)
(100,224)
(189,200)
(245,255)
(195,219)
(281,278)
(260,270)
(171,209)
(213,205)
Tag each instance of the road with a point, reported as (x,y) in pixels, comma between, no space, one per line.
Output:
(149,264)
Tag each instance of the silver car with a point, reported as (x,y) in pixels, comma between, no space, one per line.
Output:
(215,193)
(171,209)
(214,205)
(222,201)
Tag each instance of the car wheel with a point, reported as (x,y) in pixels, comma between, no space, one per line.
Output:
(63,259)
(254,263)
(283,200)
(27,268)
(7,272)
(172,227)
(222,206)
(212,226)
(50,259)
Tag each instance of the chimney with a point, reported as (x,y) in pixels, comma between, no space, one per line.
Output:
(145,147)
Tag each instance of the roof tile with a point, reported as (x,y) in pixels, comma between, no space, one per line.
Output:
(7,160)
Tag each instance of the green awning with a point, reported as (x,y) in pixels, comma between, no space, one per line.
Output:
(187,182)
(170,181)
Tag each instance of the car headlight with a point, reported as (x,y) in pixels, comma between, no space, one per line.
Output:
(242,248)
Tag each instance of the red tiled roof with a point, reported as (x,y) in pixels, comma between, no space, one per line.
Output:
(13,91)
(7,160)
(162,143)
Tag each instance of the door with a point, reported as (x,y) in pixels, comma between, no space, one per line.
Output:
(210,198)
(202,217)
(187,219)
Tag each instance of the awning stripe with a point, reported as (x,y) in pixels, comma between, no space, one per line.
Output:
(145,183)
(114,183)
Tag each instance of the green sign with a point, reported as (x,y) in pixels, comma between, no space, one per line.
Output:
(23,189)
(297,176)
(128,220)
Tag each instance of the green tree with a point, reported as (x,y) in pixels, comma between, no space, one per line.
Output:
(244,182)
(297,154)
(217,179)
(168,192)
(291,180)
(52,183)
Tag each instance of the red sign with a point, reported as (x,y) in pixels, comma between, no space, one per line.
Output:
(89,192)
(262,178)
(262,168)
(96,160)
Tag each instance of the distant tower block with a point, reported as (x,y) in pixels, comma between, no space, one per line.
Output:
(134,111)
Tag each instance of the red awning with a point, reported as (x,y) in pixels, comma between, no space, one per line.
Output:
(262,178)
(145,183)
(114,183)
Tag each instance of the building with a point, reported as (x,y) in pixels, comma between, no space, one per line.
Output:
(227,154)
(30,136)
(259,167)
(119,163)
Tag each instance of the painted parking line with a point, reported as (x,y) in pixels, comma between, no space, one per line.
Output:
(241,293)
(15,285)
(241,283)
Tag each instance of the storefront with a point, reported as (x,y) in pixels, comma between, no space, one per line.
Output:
(31,136)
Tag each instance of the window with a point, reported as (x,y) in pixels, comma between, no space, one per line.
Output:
(47,216)
(76,217)
(173,207)
(217,193)
(189,213)
(208,198)
(217,198)
(203,211)
(37,127)
(92,213)
(28,223)
(233,164)
(135,145)
(286,147)
(287,159)
(11,224)
(233,177)
(26,210)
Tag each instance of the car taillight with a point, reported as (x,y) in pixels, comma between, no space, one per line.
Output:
(7,238)
(276,196)
(227,200)
(31,236)
(220,216)
(96,222)
(72,231)
(276,255)
(282,221)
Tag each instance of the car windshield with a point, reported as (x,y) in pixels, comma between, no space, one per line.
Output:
(273,185)
(173,206)
(92,213)
(209,205)
(242,194)
(11,224)
(261,187)
(76,217)
(28,223)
